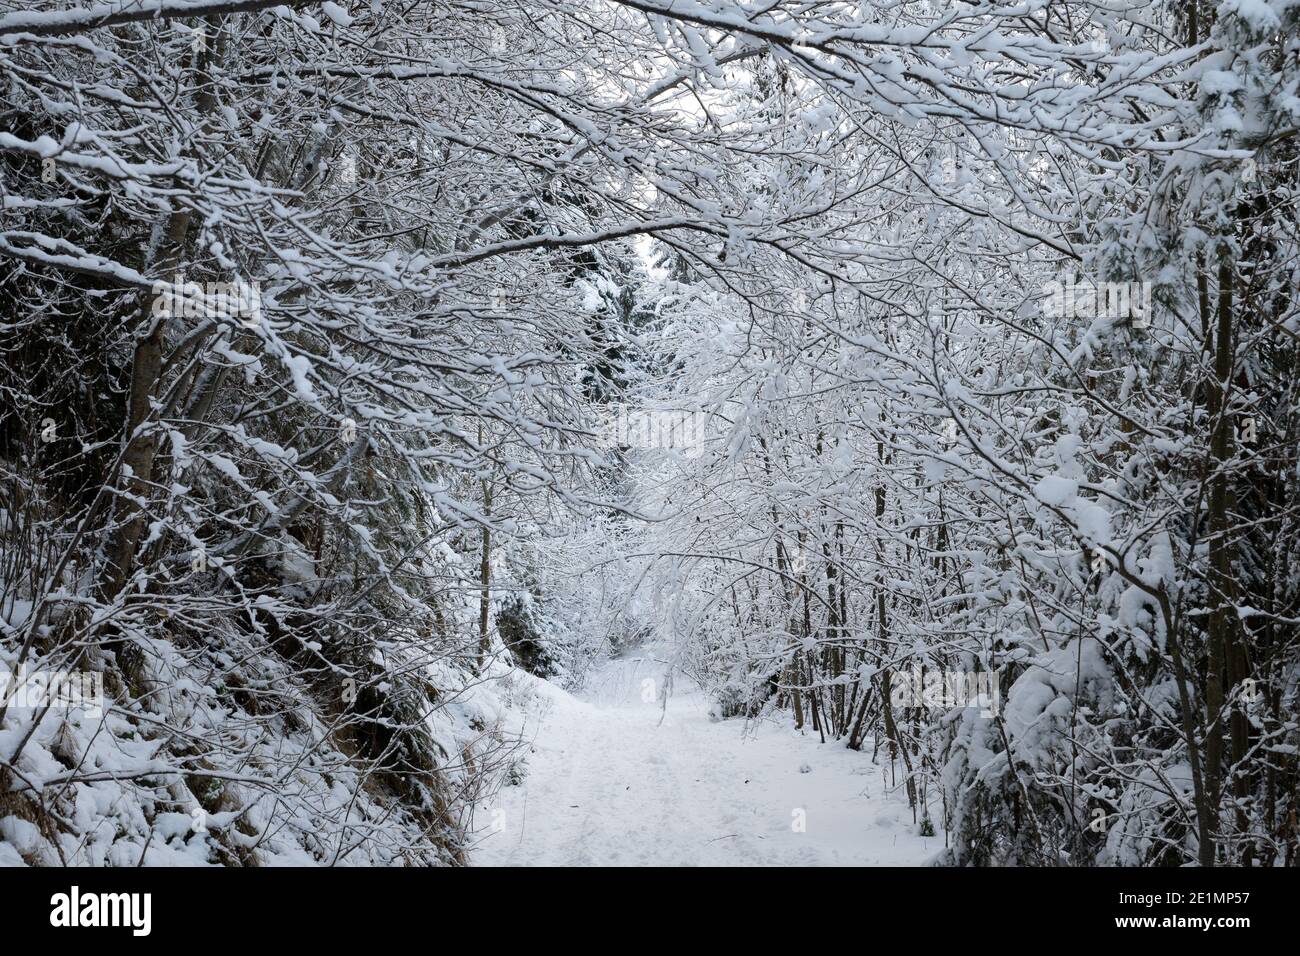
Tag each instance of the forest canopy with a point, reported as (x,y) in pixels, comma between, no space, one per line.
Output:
(327,329)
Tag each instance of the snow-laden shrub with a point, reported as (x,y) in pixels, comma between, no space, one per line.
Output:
(521,636)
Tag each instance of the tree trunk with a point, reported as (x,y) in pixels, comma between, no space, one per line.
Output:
(142,442)
(485,580)
(1221,552)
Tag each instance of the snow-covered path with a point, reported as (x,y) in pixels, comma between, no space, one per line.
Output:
(607,784)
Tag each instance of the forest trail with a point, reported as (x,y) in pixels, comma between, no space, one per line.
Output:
(608,784)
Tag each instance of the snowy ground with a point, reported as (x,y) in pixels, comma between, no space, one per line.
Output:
(606,784)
